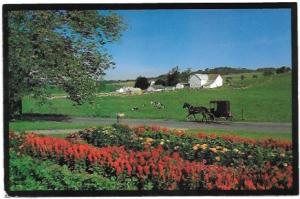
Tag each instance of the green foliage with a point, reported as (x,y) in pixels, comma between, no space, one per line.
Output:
(173,76)
(230,153)
(28,174)
(58,47)
(185,75)
(142,83)
(116,135)
(268,72)
(282,69)
(160,82)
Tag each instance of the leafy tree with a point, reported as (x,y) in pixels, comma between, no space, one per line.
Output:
(268,73)
(228,80)
(160,82)
(64,48)
(185,75)
(173,76)
(142,83)
(282,69)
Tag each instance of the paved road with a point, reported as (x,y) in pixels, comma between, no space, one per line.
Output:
(232,126)
(249,126)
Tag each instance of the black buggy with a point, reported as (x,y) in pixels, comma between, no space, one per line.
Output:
(220,109)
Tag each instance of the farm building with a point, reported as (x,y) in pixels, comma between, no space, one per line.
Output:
(129,90)
(205,81)
(155,88)
(179,86)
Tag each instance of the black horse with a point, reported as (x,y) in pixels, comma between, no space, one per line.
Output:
(192,110)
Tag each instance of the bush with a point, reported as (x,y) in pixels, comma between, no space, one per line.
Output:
(268,73)
(282,70)
(142,83)
(190,148)
(28,174)
(160,82)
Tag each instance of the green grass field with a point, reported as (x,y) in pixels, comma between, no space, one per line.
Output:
(265,99)
(101,88)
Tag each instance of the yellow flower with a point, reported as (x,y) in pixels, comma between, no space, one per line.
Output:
(218,158)
(148,139)
(225,150)
(282,154)
(203,146)
(213,150)
(195,147)
(162,142)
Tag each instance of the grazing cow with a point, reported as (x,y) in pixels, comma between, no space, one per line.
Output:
(157,104)
(135,109)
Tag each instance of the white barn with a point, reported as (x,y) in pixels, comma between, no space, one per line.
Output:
(205,81)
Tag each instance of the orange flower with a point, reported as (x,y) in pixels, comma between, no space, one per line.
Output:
(214,150)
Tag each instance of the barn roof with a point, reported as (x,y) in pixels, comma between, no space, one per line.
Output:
(212,76)
(202,76)
(207,77)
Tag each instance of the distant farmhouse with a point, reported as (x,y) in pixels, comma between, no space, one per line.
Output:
(205,81)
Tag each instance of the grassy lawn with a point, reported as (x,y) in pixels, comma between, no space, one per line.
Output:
(21,126)
(101,88)
(265,99)
(45,125)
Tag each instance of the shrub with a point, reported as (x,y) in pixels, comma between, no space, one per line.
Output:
(282,69)
(199,147)
(160,82)
(142,83)
(268,73)
(28,174)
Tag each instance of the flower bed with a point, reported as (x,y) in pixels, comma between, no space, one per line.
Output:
(222,150)
(165,159)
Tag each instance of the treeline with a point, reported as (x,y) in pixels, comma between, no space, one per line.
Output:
(224,70)
(175,75)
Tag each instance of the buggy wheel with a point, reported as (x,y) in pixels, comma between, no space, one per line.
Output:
(212,117)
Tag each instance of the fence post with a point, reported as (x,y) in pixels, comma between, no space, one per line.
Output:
(242,114)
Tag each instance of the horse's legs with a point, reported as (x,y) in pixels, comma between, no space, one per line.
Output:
(204,117)
(187,117)
(194,117)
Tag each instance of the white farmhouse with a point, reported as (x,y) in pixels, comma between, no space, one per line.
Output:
(205,81)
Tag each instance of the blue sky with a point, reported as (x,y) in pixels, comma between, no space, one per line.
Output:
(157,40)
